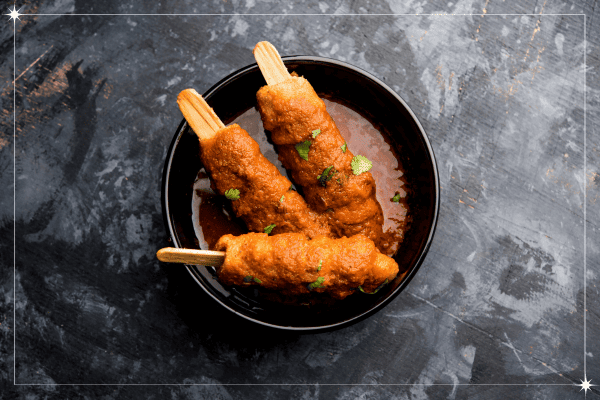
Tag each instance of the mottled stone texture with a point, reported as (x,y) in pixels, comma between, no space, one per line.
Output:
(499,299)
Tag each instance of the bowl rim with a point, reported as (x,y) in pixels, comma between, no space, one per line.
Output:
(312,60)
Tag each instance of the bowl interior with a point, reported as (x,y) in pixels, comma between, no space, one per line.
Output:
(376,102)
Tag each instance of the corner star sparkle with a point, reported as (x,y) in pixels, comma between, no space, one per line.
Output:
(14,14)
(585,385)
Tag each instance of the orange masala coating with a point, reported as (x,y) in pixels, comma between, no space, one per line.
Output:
(234,161)
(292,111)
(294,265)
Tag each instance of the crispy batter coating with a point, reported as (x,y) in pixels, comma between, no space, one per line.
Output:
(294,265)
(291,111)
(234,161)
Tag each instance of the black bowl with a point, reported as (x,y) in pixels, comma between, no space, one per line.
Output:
(372,99)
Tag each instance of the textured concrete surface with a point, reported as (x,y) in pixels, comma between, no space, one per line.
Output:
(495,312)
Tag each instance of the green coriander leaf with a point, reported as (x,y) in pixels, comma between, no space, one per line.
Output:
(320,265)
(291,187)
(376,290)
(396,198)
(302,148)
(360,164)
(326,176)
(315,133)
(232,194)
(257,280)
(380,286)
(282,198)
(316,284)
(344,147)
(269,228)
(248,279)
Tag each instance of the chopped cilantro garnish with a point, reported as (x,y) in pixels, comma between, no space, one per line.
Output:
(396,198)
(344,147)
(320,265)
(282,198)
(248,279)
(302,148)
(257,280)
(269,228)
(326,175)
(360,164)
(291,187)
(232,194)
(316,284)
(315,133)
(376,290)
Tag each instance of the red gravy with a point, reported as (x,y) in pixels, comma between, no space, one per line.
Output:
(214,218)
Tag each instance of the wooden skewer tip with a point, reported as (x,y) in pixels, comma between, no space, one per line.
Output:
(199,115)
(270,63)
(191,256)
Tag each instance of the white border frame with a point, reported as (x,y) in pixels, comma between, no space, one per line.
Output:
(584,382)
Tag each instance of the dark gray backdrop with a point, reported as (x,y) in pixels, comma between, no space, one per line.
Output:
(499,299)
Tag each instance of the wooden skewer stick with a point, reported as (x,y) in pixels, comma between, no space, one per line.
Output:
(190,256)
(201,117)
(270,63)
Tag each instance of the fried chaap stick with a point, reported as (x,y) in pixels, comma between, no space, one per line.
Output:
(259,194)
(334,181)
(294,265)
